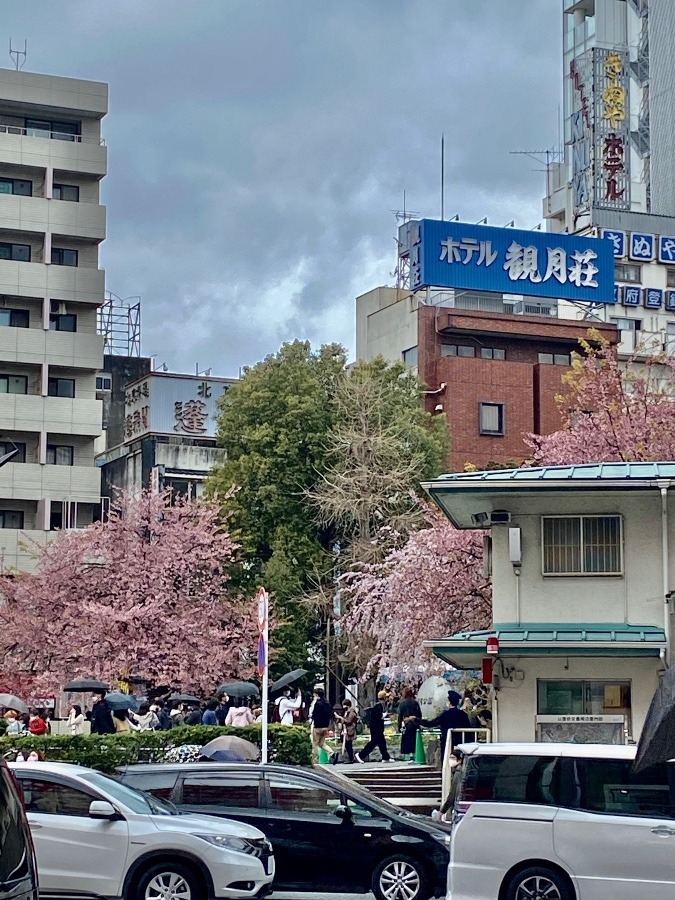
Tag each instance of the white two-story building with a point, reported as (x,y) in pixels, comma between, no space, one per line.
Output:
(580,559)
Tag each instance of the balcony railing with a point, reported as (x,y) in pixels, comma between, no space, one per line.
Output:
(51,135)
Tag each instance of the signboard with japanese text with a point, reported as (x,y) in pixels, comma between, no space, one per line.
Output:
(618,239)
(510,261)
(184,405)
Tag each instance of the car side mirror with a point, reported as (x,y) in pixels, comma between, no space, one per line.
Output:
(101,809)
(343,812)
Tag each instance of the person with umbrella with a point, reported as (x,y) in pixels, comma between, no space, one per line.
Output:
(101,715)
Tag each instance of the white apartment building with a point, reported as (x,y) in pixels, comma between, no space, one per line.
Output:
(52,160)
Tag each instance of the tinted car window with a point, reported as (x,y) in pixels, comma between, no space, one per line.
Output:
(240,791)
(14,847)
(302,796)
(511,779)
(611,786)
(159,784)
(49,797)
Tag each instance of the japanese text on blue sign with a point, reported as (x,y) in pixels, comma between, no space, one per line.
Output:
(509,261)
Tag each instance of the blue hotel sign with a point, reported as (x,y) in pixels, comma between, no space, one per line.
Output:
(510,261)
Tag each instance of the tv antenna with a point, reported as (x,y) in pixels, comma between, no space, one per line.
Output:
(404,215)
(18,57)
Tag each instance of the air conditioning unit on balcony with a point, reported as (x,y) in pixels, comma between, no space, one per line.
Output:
(531,307)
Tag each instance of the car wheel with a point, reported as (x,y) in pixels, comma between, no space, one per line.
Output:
(538,883)
(400,878)
(169,881)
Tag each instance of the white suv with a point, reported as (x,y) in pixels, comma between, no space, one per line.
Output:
(562,822)
(95,837)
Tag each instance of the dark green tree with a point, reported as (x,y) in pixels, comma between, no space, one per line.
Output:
(273,425)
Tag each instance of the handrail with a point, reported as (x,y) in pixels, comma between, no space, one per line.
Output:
(53,135)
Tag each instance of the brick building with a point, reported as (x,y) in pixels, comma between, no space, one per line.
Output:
(495,375)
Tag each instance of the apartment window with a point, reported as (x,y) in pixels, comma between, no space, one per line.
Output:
(60,455)
(17,252)
(670,277)
(627,324)
(492,353)
(59,131)
(7,447)
(15,318)
(61,387)
(11,518)
(581,545)
(628,272)
(66,192)
(554,359)
(457,350)
(13,384)
(491,418)
(16,186)
(60,322)
(62,257)
(104,383)
(410,356)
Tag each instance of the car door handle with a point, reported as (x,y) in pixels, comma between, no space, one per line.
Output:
(33,824)
(663,831)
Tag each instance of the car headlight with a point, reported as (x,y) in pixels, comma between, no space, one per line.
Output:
(226,842)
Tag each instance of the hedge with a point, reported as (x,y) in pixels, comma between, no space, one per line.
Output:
(287,744)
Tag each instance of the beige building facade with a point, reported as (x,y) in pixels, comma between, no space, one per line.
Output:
(52,160)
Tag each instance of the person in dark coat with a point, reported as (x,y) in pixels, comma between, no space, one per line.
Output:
(375,723)
(450,718)
(408,713)
(101,715)
(194,718)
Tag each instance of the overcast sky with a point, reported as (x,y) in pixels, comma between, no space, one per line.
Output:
(257,148)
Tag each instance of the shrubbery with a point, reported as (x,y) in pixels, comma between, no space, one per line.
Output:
(287,744)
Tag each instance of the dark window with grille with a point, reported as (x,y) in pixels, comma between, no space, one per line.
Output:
(582,545)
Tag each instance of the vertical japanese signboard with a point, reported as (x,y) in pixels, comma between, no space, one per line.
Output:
(511,261)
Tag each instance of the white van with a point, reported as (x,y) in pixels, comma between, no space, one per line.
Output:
(562,822)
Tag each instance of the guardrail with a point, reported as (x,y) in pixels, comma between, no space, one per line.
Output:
(51,135)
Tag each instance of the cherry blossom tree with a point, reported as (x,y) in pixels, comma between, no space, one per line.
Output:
(431,586)
(145,592)
(612,412)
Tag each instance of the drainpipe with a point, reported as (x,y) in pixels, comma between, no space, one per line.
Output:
(665,567)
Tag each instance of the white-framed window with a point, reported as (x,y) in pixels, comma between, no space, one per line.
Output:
(582,545)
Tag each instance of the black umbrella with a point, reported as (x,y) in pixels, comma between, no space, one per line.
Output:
(118,700)
(239,689)
(184,698)
(84,685)
(657,740)
(287,679)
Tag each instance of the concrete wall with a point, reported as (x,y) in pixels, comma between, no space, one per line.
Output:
(386,324)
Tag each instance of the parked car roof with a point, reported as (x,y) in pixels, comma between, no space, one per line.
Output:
(588,751)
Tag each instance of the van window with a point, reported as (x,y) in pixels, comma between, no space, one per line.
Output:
(611,786)
(14,853)
(511,779)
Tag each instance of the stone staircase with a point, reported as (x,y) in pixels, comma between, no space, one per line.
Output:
(413,787)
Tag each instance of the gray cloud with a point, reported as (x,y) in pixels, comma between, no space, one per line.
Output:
(257,147)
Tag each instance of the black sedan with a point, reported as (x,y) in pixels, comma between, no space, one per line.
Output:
(328,833)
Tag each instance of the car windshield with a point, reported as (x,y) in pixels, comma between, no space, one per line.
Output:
(134,800)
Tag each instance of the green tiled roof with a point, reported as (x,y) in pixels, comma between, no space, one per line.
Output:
(563,633)
(589,472)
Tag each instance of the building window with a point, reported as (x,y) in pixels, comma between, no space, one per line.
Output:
(581,545)
(7,447)
(410,356)
(492,353)
(17,252)
(13,384)
(11,518)
(61,387)
(628,272)
(58,322)
(63,257)
(15,318)
(554,359)
(58,455)
(491,418)
(66,192)
(670,277)
(58,131)
(16,186)
(457,350)
(104,383)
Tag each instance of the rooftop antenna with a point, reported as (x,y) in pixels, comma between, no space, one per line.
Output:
(18,57)
(405,215)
